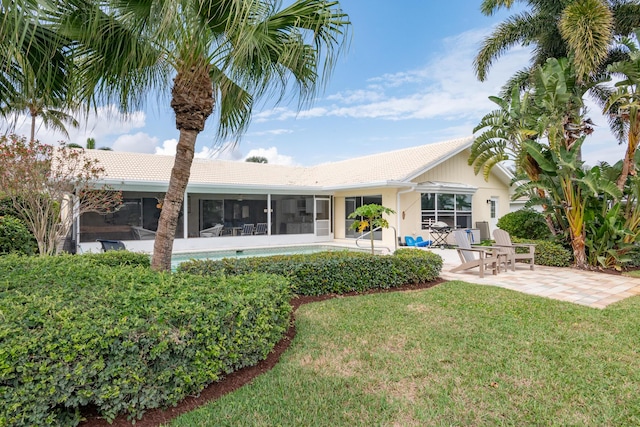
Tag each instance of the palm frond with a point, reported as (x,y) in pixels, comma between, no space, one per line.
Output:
(515,30)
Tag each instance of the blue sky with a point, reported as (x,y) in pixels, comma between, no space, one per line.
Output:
(407,79)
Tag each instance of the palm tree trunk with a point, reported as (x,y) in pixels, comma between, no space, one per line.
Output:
(628,164)
(33,127)
(192,102)
(173,199)
(579,252)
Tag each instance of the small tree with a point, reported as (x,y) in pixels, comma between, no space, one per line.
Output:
(371,217)
(47,185)
(257,159)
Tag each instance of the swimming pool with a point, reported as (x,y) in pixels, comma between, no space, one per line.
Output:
(178,258)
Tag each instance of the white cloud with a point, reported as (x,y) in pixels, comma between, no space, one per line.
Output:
(139,142)
(446,88)
(168,148)
(272,156)
(272,132)
(357,96)
(102,124)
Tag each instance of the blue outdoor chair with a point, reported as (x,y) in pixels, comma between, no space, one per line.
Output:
(418,241)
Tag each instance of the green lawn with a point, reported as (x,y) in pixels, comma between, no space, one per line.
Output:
(632,273)
(456,354)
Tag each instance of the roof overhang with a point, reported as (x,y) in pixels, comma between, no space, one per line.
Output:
(194,187)
(445,187)
(378,184)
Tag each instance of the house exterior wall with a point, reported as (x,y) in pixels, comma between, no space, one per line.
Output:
(388,200)
(457,170)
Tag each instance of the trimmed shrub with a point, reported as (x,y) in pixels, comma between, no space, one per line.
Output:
(525,224)
(6,207)
(15,237)
(548,253)
(333,272)
(75,332)
(119,258)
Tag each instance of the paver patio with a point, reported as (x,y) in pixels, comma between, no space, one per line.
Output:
(588,288)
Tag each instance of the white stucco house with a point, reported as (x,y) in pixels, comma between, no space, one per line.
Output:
(297,205)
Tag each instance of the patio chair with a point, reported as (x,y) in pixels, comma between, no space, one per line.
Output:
(482,257)
(247,229)
(508,249)
(418,241)
(140,233)
(111,245)
(261,228)
(214,231)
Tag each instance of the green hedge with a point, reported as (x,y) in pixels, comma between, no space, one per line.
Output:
(119,258)
(15,237)
(75,332)
(525,223)
(334,272)
(548,253)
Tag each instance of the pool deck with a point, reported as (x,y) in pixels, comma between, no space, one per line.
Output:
(589,288)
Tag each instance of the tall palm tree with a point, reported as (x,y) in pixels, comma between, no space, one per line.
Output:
(220,53)
(583,29)
(624,104)
(35,71)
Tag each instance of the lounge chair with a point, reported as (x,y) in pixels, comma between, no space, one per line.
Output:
(111,245)
(248,229)
(261,228)
(140,233)
(214,231)
(508,249)
(484,258)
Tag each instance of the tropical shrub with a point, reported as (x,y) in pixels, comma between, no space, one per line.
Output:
(334,272)
(119,258)
(75,332)
(525,224)
(548,253)
(15,237)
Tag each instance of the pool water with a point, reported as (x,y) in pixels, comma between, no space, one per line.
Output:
(176,259)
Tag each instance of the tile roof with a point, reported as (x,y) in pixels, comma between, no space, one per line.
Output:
(392,166)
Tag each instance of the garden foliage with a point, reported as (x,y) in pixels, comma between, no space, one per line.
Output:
(15,237)
(525,224)
(76,331)
(548,253)
(335,272)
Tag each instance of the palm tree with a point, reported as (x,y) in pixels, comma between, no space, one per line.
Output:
(221,53)
(35,72)
(582,29)
(624,104)
(256,159)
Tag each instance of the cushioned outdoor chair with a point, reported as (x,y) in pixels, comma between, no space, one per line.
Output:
(479,256)
(418,241)
(111,245)
(508,249)
(214,231)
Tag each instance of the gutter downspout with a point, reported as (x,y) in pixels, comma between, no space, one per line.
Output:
(398,214)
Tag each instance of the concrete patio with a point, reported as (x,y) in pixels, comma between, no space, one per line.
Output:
(588,288)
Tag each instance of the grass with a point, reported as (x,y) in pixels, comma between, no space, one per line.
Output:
(632,273)
(456,354)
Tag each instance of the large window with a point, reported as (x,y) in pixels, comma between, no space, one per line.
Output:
(353,203)
(136,219)
(453,209)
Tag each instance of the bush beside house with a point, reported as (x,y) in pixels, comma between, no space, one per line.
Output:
(78,332)
(331,272)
